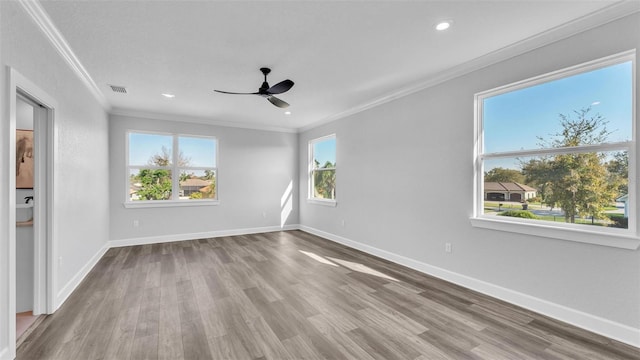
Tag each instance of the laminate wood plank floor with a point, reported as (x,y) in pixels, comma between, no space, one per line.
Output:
(290,295)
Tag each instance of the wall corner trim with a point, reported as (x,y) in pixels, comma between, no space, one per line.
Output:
(598,325)
(68,289)
(39,16)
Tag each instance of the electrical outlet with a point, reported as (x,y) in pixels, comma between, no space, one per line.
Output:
(136,223)
(447,247)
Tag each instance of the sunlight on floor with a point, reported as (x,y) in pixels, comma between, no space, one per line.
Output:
(318,258)
(362,268)
(348,264)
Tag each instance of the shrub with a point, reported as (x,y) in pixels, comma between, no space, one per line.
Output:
(519,214)
(618,221)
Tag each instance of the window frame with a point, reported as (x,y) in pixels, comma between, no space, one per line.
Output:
(175,169)
(310,193)
(612,237)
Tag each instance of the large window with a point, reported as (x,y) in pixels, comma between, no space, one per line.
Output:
(322,169)
(557,151)
(170,167)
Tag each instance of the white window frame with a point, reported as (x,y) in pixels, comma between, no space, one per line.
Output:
(310,198)
(175,169)
(612,237)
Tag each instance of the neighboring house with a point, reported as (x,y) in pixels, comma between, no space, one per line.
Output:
(508,191)
(133,191)
(624,199)
(192,185)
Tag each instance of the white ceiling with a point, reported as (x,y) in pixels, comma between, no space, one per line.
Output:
(342,55)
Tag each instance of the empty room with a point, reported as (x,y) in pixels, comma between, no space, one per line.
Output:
(319,179)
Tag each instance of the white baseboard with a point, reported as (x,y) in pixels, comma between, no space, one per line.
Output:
(608,328)
(64,293)
(199,235)
(598,325)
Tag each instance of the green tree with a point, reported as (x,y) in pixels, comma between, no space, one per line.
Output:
(618,169)
(209,175)
(324,181)
(577,182)
(504,175)
(537,173)
(155,184)
(185,176)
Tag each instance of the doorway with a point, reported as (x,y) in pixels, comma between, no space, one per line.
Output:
(31,244)
(31,119)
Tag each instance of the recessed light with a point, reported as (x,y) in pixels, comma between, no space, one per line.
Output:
(443,25)
(168,95)
(287,112)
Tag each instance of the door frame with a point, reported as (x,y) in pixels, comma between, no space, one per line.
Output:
(45,244)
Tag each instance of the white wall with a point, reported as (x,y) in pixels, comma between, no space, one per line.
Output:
(404,185)
(81,209)
(255,169)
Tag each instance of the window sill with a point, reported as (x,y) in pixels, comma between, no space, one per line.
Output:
(169,203)
(617,238)
(324,202)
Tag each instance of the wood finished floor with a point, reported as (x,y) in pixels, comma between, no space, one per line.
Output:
(290,295)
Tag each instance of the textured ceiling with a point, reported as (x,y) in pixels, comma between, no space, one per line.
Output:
(342,55)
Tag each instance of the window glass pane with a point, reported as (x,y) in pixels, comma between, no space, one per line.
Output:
(530,118)
(324,153)
(197,152)
(150,149)
(149,184)
(581,188)
(324,184)
(197,184)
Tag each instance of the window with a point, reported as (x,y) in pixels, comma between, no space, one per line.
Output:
(169,168)
(322,169)
(557,151)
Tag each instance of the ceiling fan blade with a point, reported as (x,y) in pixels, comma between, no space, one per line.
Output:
(277,102)
(280,87)
(235,93)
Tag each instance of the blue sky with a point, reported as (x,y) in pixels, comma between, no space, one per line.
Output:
(325,151)
(513,120)
(199,151)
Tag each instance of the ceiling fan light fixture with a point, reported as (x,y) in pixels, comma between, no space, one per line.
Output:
(443,25)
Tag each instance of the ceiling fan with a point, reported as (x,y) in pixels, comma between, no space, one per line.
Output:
(267,91)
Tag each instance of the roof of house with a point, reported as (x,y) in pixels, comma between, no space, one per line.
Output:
(506,186)
(195,182)
(623,198)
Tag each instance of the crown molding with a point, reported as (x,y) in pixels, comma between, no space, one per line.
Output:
(43,21)
(597,18)
(196,120)
(610,13)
